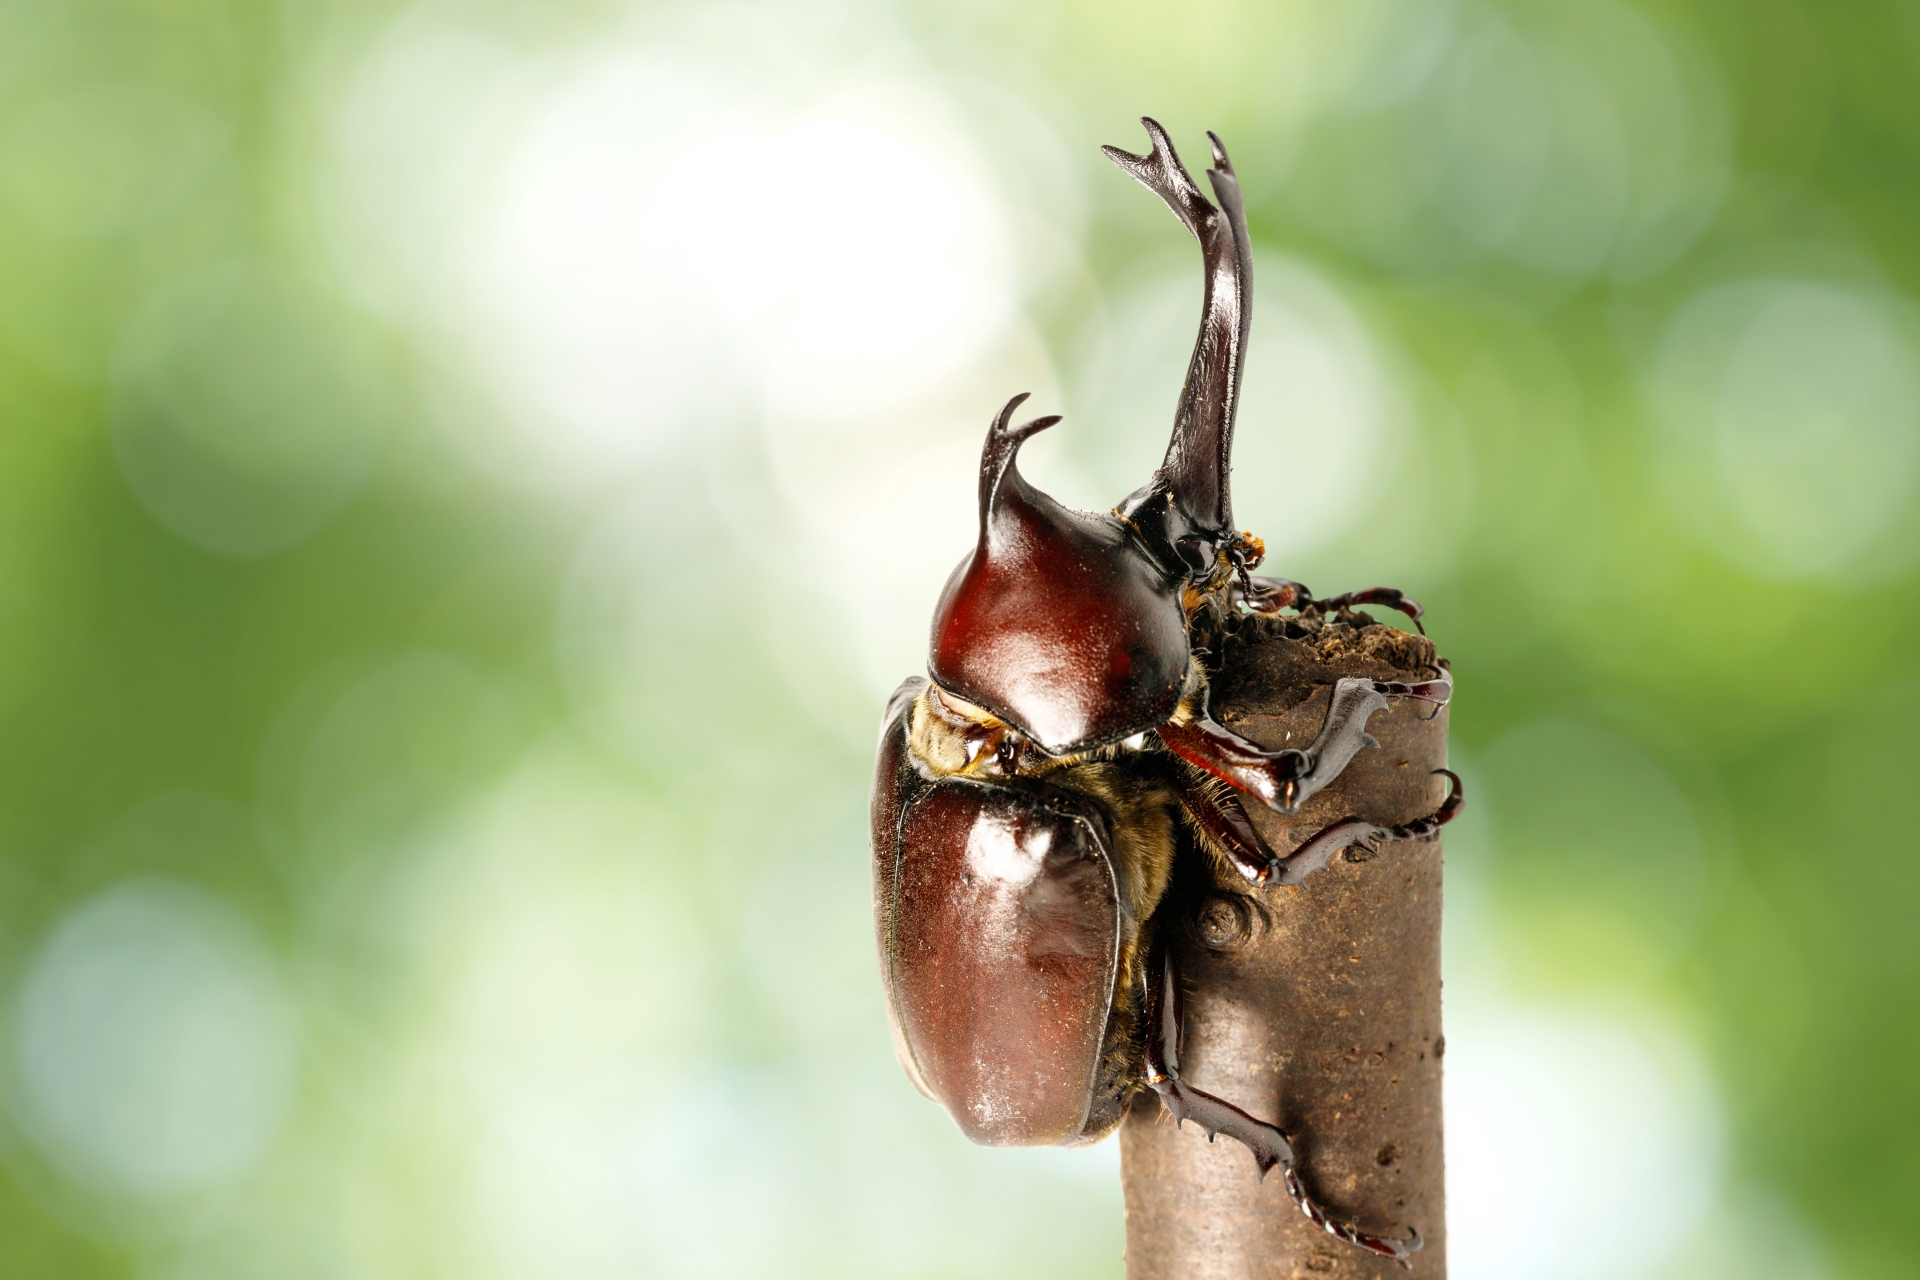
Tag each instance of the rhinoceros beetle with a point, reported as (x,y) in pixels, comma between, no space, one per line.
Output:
(1031,797)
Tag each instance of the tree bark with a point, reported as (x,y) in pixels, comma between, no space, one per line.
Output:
(1315,1005)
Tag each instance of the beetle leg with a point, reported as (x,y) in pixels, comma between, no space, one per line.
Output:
(1386,597)
(1320,848)
(1438,691)
(1217,815)
(1272,777)
(1282,779)
(1184,1102)
(1216,1115)
(1266,595)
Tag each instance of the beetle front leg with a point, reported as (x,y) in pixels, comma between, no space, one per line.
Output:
(1273,777)
(1264,595)
(1269,1147)
(1281,779)
(1386,597)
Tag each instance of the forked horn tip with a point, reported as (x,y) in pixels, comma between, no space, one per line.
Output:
(996,457)
(1220,160)
(1005,415)
(1159,145)
(1001,432)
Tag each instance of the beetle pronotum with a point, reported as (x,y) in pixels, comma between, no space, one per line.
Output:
(1031,797)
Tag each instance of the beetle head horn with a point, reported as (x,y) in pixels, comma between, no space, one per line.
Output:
(1194,473)
(1001,484)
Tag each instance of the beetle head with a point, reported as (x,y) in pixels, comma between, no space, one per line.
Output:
(1063,623)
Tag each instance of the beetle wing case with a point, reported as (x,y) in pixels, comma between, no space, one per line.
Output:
(895,781)
(998,917)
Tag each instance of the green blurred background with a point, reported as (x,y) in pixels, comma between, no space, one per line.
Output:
(470,474)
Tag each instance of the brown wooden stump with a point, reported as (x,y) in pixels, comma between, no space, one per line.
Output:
(1324,1015)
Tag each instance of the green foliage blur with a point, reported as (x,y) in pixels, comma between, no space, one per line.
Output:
(471,473)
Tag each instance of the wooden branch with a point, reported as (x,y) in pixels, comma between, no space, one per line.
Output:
(1317,1005)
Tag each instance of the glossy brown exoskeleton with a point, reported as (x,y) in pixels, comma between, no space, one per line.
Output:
(1031,798)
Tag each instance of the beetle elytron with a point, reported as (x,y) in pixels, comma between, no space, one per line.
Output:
(1031,797)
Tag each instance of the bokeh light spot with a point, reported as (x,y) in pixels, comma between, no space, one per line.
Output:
(107,160)
(156,1047)
(247,412)
(648,240)
(1788,416)
(1579,1146)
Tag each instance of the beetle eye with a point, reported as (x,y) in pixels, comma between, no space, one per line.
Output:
(1007,755)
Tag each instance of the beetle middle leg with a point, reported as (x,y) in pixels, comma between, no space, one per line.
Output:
(1319,849)
(1217,815)
(1270,1149)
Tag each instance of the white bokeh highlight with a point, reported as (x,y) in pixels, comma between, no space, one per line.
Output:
(1580,1145)
(155,1044)
(1787,420)
(247,412)
(648,241)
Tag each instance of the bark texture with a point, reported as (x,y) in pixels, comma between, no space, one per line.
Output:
(1315,1005)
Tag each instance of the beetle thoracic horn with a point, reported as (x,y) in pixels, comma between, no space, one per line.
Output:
(996,458)
(1200,453)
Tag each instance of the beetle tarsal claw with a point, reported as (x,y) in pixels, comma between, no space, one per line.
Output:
(1399,1250)
(1342,737)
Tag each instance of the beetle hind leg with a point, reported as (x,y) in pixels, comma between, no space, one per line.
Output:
(1270,1149)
